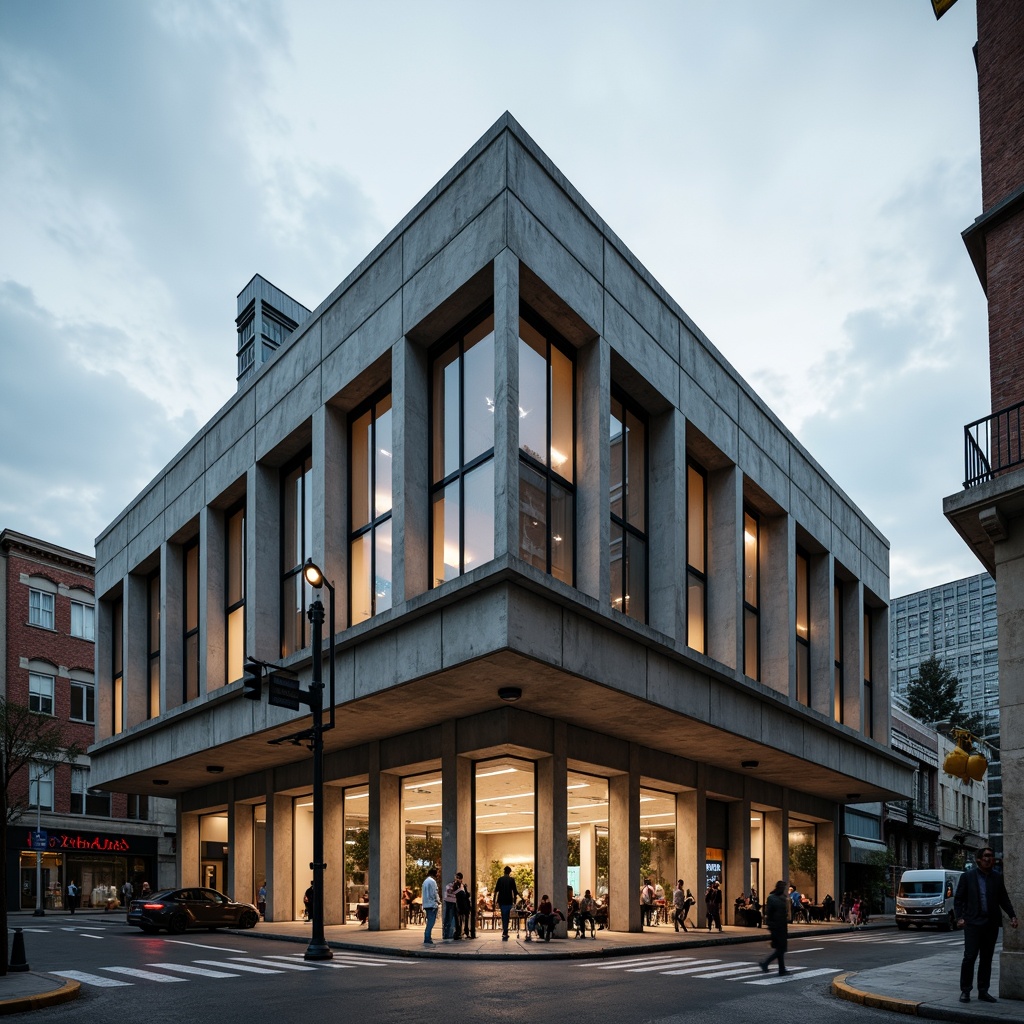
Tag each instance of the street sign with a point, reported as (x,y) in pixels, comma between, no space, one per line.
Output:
(39,840)
(284,692)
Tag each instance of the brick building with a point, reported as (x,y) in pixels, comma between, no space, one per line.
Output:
(47,653)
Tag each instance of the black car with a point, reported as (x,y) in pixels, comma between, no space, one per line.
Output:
(178,909)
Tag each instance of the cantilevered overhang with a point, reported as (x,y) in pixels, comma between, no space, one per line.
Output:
(574,662)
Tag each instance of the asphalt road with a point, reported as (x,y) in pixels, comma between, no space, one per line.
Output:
(216,977)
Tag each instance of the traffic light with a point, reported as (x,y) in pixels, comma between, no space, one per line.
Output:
(252,680)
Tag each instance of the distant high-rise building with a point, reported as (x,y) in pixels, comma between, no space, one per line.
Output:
(266,316)
(956,623)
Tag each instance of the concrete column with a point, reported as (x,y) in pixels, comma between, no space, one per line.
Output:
(104,667)
(777,603)
(725,568)
(281,867)
(240,864)
(593,525)
(335,909)
(588,859)
(330,514)
(212,600)
(821,619)
(386,848)
(827,845)
(172,583)
(506,404)
(263,563)
(135,651)
(880,675)
(624,848)
(776,845)
(456,809)
(666,538)
(691,843)
(853,654)
(188,848)
(410,439)
(737,856)
(552,824)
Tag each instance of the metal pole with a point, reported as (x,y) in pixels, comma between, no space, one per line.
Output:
(39,911)
(318,948)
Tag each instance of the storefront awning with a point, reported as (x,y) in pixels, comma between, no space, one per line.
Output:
(861,851)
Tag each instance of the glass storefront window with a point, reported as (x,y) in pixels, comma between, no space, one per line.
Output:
(587,839)
(506,808)
(421,831)
(356,810)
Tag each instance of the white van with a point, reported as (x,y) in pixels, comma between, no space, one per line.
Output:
(925,897)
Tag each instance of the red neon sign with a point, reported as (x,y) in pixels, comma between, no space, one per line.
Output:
(98,844)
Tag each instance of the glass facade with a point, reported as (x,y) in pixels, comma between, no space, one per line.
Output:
(234,592)
(751,596)
(627,441)
(838,695)
(696,558)
(462,451)
(190,617)
(153,644)
(803,628)
(296,547)
(370,503)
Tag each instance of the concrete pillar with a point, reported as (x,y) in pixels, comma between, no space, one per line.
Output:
(737,856)
(880,675)
(691,843)
(588,858)
(666,538)
(410,439)
(134,647)
(335,909)
(172,607)
(593,525)
(820,613)
(725,568)
(386,847)
(506,404)
(188,848)
(281,869)
(330,512)
(777,603)
(624,848)
(827,845)
(776,846)
(456,810)
(242,884)
(212,600)
(551,875)
(853,652)
(263,563)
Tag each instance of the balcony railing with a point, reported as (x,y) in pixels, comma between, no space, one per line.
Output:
(993,444)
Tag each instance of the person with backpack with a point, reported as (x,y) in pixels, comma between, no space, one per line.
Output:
(646,903)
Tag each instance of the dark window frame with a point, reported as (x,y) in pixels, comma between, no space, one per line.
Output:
(619,395)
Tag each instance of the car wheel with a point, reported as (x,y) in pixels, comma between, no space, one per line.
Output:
(902,925)
(248,920)
(177,923)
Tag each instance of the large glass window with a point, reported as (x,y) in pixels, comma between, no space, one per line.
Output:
(658,848)
(117,665)
(85,800)
(547,450)
(506,809)
(869,693)
(751,596)
(587,838)
(696,557)
(190,618)
(40,785)
(296,547)
(627,439)
(40,693)
(83,622)
(234,609)
(462,452)
(153,598)
(370,510)
(421,816)
(803,628)
(83,701)
(40,609)
(356,810)
(837,652)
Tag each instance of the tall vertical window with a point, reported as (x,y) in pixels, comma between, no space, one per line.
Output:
(83,701)
(627,440)
(696,558)
(85,800)
(234,591)
(40,785)
(547,450)
(803,628)
(751,596)
(117,665)
(153,645)
(83,622)
(837,652)
(40,609)
(296,547)
(370,510)
(869,693)
(190,621)
(138,807)
(40,693)
(462,452)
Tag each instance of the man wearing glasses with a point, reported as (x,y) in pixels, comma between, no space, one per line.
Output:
(980,896)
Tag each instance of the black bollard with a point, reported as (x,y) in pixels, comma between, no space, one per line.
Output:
(18,961)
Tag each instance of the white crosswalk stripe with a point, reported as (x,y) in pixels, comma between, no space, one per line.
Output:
(794,976)
(259,960)
(203,972)
(90,979)
(744,972)
(138,972)
(247,968)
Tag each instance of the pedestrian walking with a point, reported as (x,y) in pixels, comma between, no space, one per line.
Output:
(679,906)
(505,895)
(261,899)
(451,909)
(776,914)
(126,893)
(72,896)
(429,901)
(979,902)
(713,905)
(464,913)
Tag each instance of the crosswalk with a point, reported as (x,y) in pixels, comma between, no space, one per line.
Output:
(746,972)
(888,939)
(166,972)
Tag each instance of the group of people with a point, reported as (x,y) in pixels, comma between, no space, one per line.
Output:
(73,895)
(853,909)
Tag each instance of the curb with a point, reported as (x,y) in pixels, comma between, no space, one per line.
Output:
(21,1004)
(854,995)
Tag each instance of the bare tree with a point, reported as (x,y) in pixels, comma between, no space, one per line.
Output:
(26,737)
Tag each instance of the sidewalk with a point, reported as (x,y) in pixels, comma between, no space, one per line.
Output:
(926,988)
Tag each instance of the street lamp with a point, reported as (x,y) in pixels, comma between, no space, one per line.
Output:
(318,948)
(39,911)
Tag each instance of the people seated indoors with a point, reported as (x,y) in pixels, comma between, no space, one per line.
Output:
(363,909)
(586,911)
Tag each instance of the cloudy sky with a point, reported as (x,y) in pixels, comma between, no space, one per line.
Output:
(795,173)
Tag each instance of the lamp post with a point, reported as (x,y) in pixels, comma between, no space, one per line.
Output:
(318,948)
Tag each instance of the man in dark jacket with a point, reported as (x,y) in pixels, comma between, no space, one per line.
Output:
(776,915)
(980,897)
(505,895)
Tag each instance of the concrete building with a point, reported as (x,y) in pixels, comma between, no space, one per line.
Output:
(956,623)
(989,512)
(47,648)
(599,614)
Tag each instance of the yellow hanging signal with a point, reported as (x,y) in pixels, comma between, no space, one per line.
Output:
(963,761)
